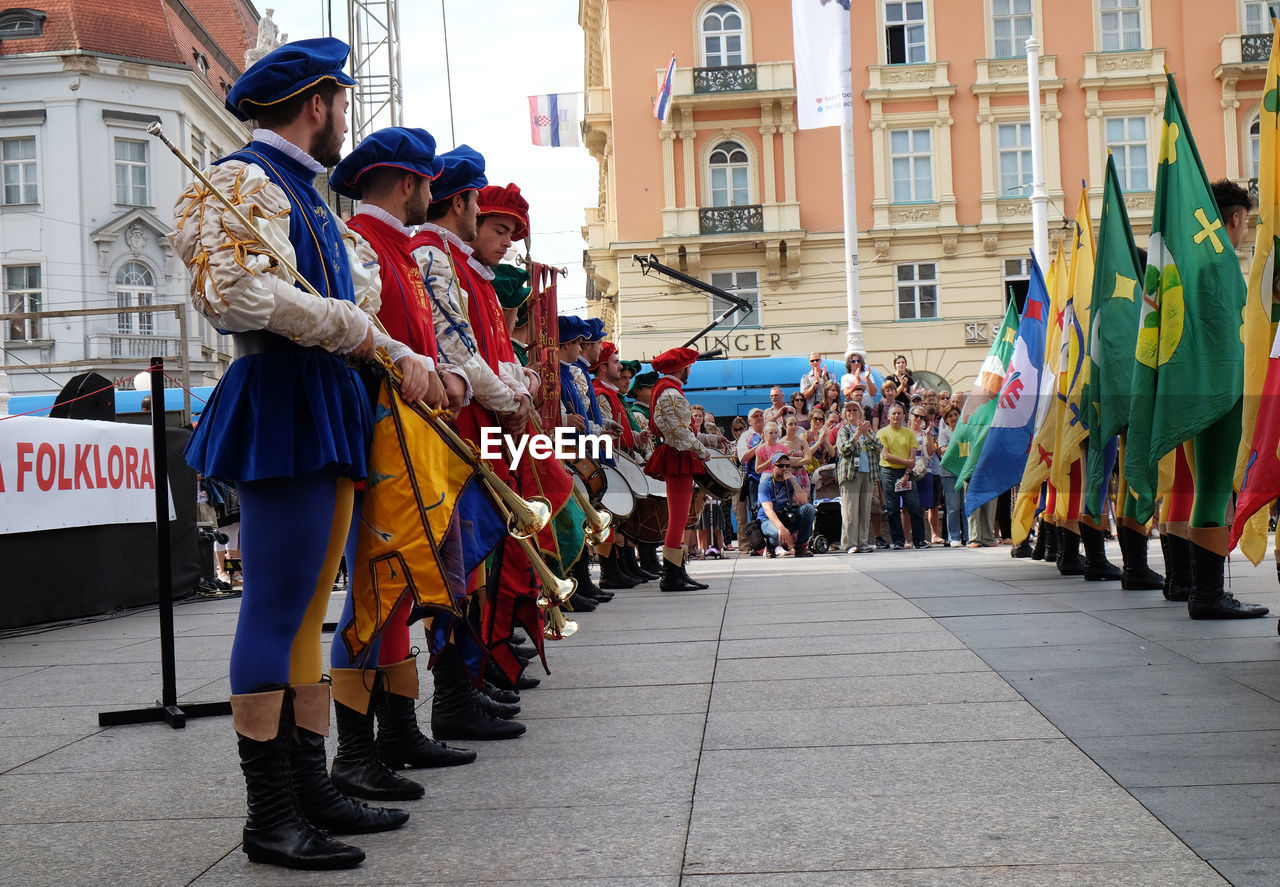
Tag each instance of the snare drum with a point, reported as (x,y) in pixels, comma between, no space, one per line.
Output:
(647,523)
(721,479)
(592,475)
(632,472)
(617,499)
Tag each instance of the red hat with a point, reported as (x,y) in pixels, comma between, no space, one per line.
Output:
(508,202)
(670,362)
(607,351)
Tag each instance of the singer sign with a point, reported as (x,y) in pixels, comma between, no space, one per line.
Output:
(58,473)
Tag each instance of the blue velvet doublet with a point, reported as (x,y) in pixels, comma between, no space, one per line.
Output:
(292,411)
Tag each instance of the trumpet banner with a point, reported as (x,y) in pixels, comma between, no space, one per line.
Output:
(423,517)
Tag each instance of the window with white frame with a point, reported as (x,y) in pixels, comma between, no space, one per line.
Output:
(22,296)
(917,290)
(199,148)
(1126,139)
(911,162)
(1013,147)
(131,172)
(1257,18)
(135,285)
(1010,27)
(18,170)
(1121,22)
(730,170)
(904,32)
(1255,147)
(722,36)
(1017,280)
(746,286)
(16,24)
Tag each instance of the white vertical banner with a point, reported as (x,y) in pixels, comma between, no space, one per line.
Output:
(821,31)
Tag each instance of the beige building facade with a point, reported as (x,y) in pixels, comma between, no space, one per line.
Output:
(729,190)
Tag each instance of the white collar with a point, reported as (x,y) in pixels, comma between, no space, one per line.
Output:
(447,236)
(606,384)
(673,378)
(369,209)
(280,143)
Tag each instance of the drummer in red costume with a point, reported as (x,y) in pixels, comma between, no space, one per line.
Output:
(676,460)
(472,334)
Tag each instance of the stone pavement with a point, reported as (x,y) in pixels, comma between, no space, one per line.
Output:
(926,719)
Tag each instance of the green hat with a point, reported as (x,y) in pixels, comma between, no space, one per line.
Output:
(631,366)
(509,283)
(522,316)
(643,380)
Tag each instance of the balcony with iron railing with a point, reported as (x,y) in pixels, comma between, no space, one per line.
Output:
(1243,54)
(731,219)
(729,85)
(730,78)
(1255,48)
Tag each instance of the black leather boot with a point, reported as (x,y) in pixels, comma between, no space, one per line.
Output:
(504,710)
(673,575)
(1050,542)
(357,769)
(649,560)
(1136,575)
(1069,562)
(1177,567)
(275,832)
(454,713)
(323,805)
(1037,553)
(1096,566)
(581,573)
(1209,600)
(401,742)
(498,694)
(611,574)
(494,674)
(1022,549)
(684,571)
(634,567)
(527,652)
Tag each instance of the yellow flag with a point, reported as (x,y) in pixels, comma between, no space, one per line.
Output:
(1073,368)
(1259,317)
(1040,457)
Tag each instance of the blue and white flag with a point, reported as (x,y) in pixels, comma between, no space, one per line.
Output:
(662,104)
(553,120)
(824,91)
(1027,387)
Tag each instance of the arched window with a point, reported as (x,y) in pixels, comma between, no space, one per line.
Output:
(135,285)
(722,36)
(730,175)
(1255,146)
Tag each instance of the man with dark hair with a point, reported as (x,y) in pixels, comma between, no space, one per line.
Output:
(289,424)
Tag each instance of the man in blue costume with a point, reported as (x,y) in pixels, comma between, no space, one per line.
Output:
(289,424)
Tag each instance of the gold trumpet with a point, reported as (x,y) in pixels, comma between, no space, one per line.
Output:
(597,521)
(524,518)
(557,627)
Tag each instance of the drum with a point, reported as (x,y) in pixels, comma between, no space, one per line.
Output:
(696,504)
(647,523)
(591,473)
(617,499)
(721,479)
(632,472)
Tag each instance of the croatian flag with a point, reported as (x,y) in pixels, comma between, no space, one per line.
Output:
(662,104)
(553,120)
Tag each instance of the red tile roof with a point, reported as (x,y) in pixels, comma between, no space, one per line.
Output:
(166,31)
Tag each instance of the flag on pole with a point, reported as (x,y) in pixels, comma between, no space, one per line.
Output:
(1113,333)
(1073,367)
(662,104)
(1257,465)
(1040,457)
(1190,359)
(823,87)
(553,120)
(1026,387)
(966,443)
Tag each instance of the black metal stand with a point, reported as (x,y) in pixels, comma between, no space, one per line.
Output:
(166,708)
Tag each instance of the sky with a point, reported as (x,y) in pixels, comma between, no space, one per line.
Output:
(500,52)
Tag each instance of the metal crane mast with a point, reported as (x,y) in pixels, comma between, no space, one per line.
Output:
(374,29)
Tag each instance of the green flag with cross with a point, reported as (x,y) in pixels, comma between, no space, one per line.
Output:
(1189,357)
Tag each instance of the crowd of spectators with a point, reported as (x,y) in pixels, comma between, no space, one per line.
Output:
(855,462)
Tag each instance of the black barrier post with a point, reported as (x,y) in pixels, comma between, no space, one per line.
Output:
(166,708)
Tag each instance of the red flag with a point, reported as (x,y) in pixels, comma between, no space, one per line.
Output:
(1262,472)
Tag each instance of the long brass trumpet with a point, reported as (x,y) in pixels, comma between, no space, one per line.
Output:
(597,522)
(524,518)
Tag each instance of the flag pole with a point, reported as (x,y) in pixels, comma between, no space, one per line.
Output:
(853,289)
(1039,193)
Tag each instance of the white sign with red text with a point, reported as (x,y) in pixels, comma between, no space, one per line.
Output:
(58,473)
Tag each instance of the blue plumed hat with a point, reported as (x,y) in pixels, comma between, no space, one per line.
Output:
(593,329)
(288,70)
(463,171)
(412,150)
(571,328)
